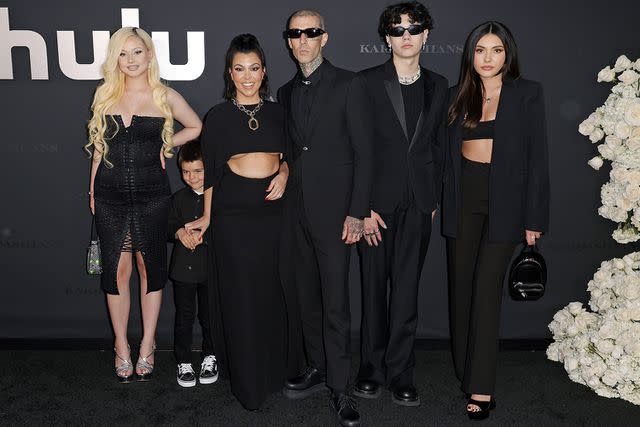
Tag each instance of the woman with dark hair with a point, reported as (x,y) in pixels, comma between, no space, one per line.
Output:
(243,144)
(496,193)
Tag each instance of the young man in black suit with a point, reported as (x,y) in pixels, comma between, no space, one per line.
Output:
(327,198)
(407,111)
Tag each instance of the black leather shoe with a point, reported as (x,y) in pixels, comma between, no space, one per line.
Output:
(346,410)
(305,384)
(367,389)
(406,395)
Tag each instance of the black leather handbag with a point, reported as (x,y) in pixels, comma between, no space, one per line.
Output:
(528,275)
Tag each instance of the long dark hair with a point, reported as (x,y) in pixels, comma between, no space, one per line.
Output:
(468,101)
(243,43)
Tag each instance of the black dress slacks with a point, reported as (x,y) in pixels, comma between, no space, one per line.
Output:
(319,266)
(388,329)
(476,274)
(185,296)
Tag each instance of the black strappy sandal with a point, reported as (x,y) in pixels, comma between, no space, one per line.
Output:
(485,409)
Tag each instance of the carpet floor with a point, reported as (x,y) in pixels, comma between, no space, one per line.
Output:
(77,388)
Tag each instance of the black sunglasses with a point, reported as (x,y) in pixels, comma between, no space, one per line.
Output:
(414,30)
(295,33)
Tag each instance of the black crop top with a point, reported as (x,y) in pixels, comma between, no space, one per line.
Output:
(225,133)
(484,130)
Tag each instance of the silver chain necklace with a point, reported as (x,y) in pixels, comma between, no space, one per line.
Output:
(253,123)
(409,80)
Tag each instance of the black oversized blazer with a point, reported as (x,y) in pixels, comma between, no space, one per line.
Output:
(332,158)
(519,174)
(399,157)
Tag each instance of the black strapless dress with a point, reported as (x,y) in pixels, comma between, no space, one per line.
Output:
(132,200)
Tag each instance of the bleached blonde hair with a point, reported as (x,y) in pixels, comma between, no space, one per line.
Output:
(110,91)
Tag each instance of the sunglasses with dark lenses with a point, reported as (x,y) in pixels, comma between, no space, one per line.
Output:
(295,33)
(414,30)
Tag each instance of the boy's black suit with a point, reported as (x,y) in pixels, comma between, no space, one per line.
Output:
(406,189)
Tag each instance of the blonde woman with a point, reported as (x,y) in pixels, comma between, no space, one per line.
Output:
(130,133)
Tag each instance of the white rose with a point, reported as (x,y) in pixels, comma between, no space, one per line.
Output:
(622,130)
(617,352)
(572,331)
(606,152)
(575,308)
(613,141)
(594,382)
(633,143)
(633,349)
(553,352)
(586,127)
(596,135)
(604,346)
(632,114)
(606,74)
(618,263)
(622,63)
(570,364)
(596,162)
(636,65)
(629,77)
(632,193)
(611,378)
(609,329)
(604,302)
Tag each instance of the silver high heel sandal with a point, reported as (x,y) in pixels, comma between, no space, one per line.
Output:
(144,365)
(123,368)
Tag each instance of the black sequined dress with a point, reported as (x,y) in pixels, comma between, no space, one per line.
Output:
(132,200)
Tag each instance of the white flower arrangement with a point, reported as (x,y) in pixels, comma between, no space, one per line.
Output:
(618,123)
(601,349)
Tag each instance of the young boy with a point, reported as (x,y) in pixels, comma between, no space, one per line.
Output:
(188,271)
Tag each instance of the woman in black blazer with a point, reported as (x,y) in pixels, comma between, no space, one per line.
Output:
(496,193)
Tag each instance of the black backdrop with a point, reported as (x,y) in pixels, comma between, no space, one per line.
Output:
(44,219)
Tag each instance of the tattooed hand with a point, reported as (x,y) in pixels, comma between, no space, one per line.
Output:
(352,230)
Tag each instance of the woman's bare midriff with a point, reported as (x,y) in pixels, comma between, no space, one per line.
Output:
(478,150)
(254,165)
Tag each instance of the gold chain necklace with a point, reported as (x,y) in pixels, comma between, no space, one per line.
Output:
(253,123)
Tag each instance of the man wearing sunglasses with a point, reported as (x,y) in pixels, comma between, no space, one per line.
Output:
(408,120)
(331,165)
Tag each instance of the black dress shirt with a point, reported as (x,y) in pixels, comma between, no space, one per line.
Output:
(186,266)
(304,91)
(413,97)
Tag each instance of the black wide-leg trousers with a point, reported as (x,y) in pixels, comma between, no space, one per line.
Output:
(388,328)
(318,264)
(476,275)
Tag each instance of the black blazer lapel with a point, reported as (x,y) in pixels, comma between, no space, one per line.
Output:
(394,92)
(505,107)
(425,119)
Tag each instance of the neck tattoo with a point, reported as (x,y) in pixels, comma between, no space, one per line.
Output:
(308,68)
(407,80)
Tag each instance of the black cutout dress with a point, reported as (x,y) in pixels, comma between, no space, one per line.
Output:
(132,200)
(246,234)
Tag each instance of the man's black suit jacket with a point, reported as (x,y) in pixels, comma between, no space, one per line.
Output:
(400,158)
(332,159)
(519,177)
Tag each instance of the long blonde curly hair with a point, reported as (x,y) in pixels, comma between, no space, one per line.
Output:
(110,91)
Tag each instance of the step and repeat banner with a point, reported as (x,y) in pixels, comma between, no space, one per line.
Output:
(50,57)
